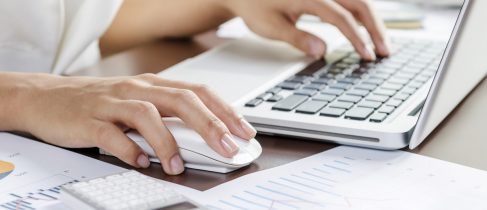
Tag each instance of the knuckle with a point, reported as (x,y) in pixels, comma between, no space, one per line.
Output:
(185,95)
(216,125)
(202,89)
(143,108)
(126,85)
(147,76)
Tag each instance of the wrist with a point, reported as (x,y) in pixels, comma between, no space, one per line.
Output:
(16,93)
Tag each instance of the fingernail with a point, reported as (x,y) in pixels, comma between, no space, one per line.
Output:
(368,54)
(143,161)
(247,128)
(229,144)
(316,48)
(177,166)
(383,49)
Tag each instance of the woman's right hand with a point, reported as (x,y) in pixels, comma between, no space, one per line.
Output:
(94,112)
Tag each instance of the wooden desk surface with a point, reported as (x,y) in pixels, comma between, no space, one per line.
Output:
(461,138)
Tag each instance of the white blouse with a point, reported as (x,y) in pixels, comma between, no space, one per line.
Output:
(52,36)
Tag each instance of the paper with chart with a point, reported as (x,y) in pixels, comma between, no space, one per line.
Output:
(355,178)
(31,172)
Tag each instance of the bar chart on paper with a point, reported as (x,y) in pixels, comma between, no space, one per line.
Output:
(31,173)
(354,178)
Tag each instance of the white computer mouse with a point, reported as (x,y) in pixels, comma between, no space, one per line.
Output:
(197,154)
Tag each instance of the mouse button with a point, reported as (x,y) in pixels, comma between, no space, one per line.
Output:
(192,157)
(187,138)
(135,136)
(241,158)
(252,147)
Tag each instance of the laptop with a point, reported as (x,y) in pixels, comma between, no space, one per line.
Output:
(387,104)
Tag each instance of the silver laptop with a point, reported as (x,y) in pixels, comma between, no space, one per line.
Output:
(387,104)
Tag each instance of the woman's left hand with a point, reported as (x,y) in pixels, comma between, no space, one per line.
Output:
(276,19)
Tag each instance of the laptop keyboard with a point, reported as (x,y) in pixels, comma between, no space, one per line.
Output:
(346,87)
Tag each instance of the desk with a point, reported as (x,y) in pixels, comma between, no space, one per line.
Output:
(461,138)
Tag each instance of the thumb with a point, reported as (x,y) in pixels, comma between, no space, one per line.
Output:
(111,139)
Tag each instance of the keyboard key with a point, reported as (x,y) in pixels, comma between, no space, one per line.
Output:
(384,92)
(386,109)
(323,81)
(358,92)
(342,65)
(373,81)
(332,112)
(341,105)
(333,91)
(324,97)
(411,69)
(398,80)
(385,70)
(394,102)
(299,79)
(378,98)
(381,76)
(402,96)
(265,96)
(378,117)
(340,85)
(365,86)
(422,78)
(349,98)
(275,98)
(306,92)
(409,90)
(404,75)
(391,86)
(315,86)
(311,107)
(254,102)
(335,70)
(392,65)
(416,84)
(414,67)
(290,102)
(274,90)
(359,113)
(349,80)
(289,85)
(370,104)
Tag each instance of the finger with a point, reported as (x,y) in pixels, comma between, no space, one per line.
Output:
(335,14)
(234,121)
(145,118)
(192,111)
(363,11)
(284,29)
(111,139)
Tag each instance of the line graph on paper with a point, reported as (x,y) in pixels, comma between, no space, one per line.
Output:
(349,179)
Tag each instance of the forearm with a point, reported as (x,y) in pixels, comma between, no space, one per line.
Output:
(9,94)
(140,21)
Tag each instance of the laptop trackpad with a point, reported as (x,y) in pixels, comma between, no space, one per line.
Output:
(236,69)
